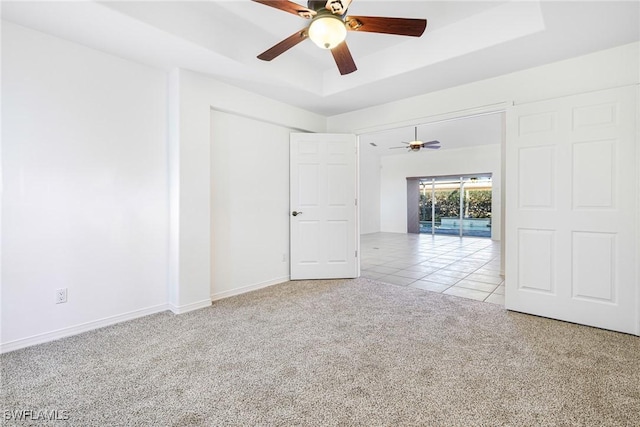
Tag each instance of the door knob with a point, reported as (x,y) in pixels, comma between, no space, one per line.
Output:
(294,213)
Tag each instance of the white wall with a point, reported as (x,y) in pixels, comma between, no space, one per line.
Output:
(249,204)
(605,69)
(369,200)
(84,203)
(191,206)
(396,169)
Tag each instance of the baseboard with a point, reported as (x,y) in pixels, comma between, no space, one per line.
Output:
(180,309)
(78,329)
(226,294)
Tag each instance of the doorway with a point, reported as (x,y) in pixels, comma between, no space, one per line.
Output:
(470,157)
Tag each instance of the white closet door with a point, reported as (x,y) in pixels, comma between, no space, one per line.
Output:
(572,209)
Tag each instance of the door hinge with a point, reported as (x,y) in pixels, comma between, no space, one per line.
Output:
(356,202)
(356,254)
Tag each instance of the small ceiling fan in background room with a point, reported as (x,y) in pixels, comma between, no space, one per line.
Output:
(417,145)
(330,24)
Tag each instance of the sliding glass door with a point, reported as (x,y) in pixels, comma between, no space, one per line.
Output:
(476,215)
(447,207)
(459,206)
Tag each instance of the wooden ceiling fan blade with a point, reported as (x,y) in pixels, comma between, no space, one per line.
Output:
(289,6)
(432,147)
(376,24)
(283,46)
(395,148)
(435,142)
(343,59)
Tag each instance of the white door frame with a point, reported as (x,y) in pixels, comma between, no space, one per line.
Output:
(638,201)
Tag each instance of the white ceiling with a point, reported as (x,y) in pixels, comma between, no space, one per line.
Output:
(453,134)
(465,41)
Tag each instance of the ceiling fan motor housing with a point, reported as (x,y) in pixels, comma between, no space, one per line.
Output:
(336,7)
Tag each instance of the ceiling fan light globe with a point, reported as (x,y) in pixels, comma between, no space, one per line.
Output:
(327,31)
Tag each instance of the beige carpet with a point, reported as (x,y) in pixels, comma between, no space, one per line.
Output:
(345,352)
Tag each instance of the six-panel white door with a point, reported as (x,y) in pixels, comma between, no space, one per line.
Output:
(323,206)
(571,209)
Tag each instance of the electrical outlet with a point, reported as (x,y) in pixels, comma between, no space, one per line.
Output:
(61,295)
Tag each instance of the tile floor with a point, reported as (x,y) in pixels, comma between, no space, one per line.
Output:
(467,267)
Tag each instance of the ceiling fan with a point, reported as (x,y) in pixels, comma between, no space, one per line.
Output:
(416,144)
(330,24)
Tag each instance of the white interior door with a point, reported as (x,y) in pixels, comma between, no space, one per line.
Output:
(323,206)
(571,209)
